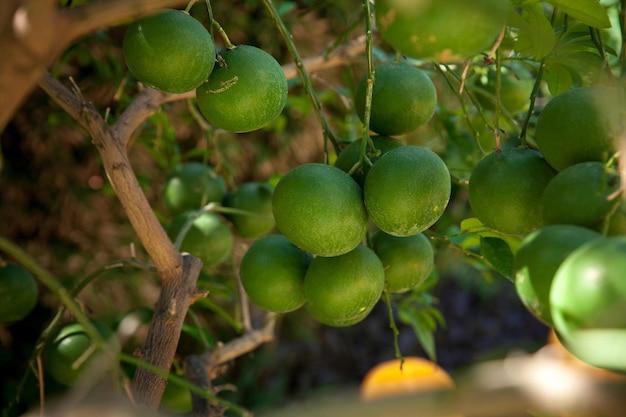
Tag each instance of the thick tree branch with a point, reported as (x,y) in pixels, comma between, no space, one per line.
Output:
(120,173)
(178,273)
(177,294)
(34,33)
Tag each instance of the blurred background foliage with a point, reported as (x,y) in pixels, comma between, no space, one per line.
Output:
(56,203)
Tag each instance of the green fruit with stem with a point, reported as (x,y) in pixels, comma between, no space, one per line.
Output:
(588,303)
(537,259)
(403,98)
(408,261)
(72,352)
(580,125)
(582,194)
(169,50)
(247,90)
(441,31)
(407,190)
(349,156)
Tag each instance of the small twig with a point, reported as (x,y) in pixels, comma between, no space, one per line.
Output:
(241,345)
(304,76)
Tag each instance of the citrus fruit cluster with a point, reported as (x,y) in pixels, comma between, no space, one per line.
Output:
(564,201)
(173,52)
(320,259)
(246,210)
(567,179)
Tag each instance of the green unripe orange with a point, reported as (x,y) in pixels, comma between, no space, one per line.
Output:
(208,237)
(408,261)
(272,273)
(320,209)
(170,51)
(580,125)
(247,90)
(343,290)
(588,303)
(407,190)
(71,352)
(537,260)
(505,188)
(18,292)
(255,198)
(582,194)
(403,98)
(190,186)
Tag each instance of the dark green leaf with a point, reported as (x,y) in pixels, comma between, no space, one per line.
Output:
(498,254)
(420,322)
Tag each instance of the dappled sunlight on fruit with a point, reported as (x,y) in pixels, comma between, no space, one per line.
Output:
(537,260)
(587,301)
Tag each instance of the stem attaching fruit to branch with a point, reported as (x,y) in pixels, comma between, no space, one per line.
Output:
(393,326)
(308,85)
(366,139)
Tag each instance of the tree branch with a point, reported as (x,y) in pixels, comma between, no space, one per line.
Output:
(241,345)
(83,20)
(120,173)
(34,33)
(178,273)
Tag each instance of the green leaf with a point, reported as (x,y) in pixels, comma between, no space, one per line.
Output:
(536,35)
(422,326)
(498,254)
(589,12)
(558,78)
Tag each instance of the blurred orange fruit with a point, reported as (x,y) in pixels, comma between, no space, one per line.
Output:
(389,379)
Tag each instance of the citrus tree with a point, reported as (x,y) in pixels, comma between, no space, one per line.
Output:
(493,129)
